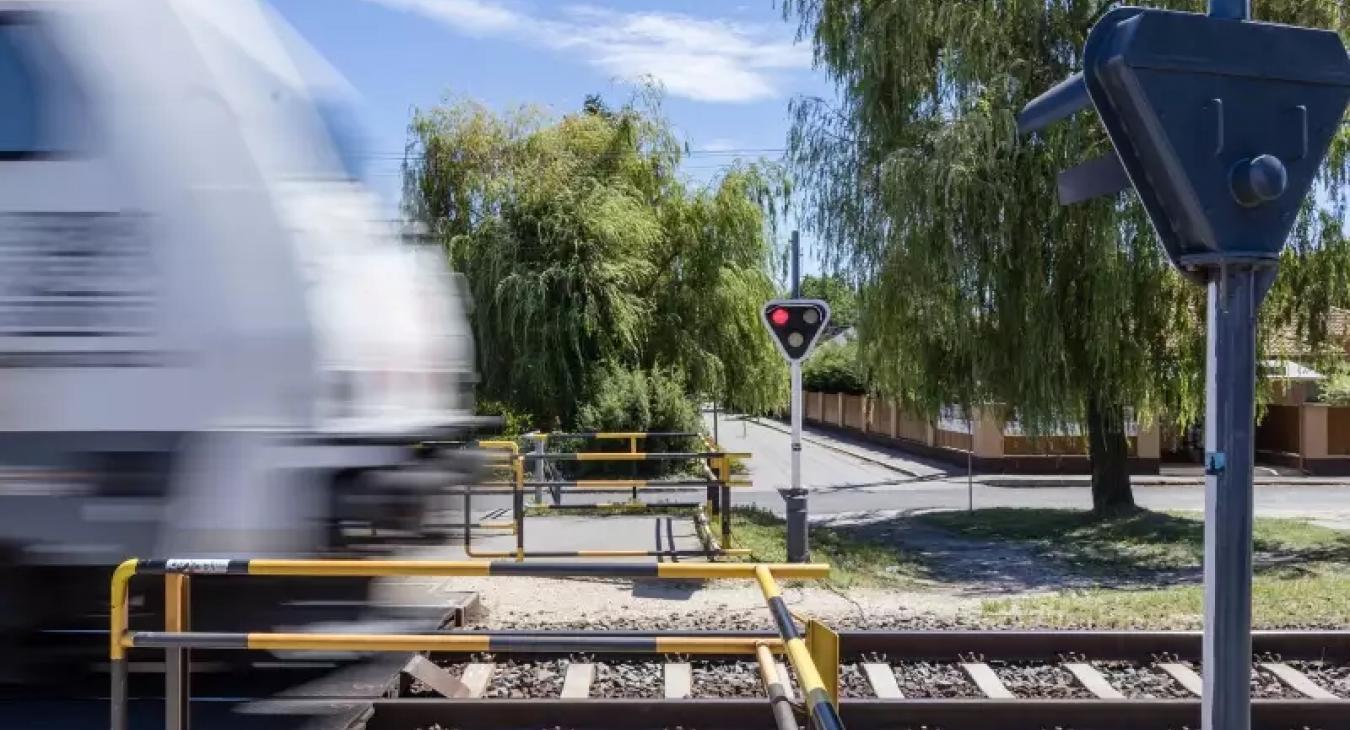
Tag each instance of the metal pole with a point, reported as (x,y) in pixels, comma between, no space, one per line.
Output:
(716,439)
(1235,293)
(539,445)
(118,703)
(783,715)
(970,473)
(1231,9)
(796,265)
(177,676)
(798,540)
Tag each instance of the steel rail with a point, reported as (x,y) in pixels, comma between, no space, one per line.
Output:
(859,714)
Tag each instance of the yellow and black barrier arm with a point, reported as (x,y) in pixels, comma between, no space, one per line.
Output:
(817,698)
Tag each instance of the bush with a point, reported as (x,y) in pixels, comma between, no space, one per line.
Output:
(514,423)
(834,369)
(638,400)
(1336,389)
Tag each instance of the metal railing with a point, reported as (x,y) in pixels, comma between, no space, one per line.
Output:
(718,483)
(177,640)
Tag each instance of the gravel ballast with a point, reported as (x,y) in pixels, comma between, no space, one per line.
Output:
(726,679)
(1041,681)
(1141,681)
(1334,678)
(528,680)
(638,680)
(934,680)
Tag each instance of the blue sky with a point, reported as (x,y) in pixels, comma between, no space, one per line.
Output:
(729,68)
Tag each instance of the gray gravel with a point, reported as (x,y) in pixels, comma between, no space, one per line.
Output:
(528,680)
(1334,678)
(934,680)
(1265,685)
(853,683)
(638,680)
(1141,681)
(1045,681)
(726,679)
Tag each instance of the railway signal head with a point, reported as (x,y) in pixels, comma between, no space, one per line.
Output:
(1219,124)
(796,325)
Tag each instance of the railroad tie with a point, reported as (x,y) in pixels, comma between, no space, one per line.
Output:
(882,679)
(1185,676)
(679,681)
(984,677)
(1297,681)
(786,678)
(438,679)
(1088,676)
(577,681)
(476,678)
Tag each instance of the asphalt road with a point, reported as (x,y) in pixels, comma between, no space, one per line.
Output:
(852,477)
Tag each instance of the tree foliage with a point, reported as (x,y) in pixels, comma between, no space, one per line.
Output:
(836,291)
(982,289)
(834,368)
(584,249)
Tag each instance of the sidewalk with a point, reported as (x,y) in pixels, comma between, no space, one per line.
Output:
(904,463)
(1183,475)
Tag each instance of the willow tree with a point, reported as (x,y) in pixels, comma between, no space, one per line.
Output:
(584,249)
(981,288)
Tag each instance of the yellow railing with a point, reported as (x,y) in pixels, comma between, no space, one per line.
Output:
(177,640)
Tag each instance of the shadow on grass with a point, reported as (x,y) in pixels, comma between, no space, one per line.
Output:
(856,559)
(1016,550)
(1141,543)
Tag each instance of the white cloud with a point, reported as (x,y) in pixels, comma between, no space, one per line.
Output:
(472,16)
(704,59)
(719,144)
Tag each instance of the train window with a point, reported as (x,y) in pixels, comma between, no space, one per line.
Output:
(40,109)
(18,94)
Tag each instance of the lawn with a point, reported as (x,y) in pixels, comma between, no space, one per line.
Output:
(1141,541)
(1318,598)
(1302,569)
(854,563)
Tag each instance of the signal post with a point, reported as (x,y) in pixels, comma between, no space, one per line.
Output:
(796,326)
(1220,125)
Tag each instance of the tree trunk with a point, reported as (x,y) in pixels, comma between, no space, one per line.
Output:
(1109,453)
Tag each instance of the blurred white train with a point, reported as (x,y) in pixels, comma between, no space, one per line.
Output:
(209,343)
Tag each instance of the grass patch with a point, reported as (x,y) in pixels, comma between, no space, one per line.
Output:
(855,563)
(1317,598)
(1301,568)
(1140,541)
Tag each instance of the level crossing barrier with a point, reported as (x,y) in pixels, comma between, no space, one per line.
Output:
(807,656)
(717,480)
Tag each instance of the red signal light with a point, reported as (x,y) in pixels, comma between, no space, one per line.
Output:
(779,317)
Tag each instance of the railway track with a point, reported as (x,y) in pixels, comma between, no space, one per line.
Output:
(968,680)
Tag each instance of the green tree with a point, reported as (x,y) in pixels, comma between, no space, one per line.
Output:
(981,289)
(584,250)
(838,293)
